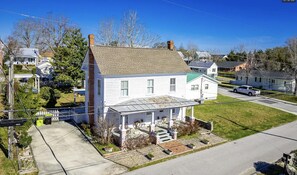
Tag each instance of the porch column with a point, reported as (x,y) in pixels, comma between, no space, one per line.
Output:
(38,84)
(192,115)
(170,123)
(123,122)
(183,117)
(123,132)
(152,127)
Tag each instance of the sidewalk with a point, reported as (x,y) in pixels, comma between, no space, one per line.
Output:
(138,157)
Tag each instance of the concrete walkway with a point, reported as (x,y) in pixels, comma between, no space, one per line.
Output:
(270,102)
(76,154)
(235,157)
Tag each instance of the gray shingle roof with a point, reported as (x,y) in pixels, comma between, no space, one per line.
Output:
(129,61)
(201,64)
(229,64)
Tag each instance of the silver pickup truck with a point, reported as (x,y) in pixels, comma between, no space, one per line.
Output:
(248,90)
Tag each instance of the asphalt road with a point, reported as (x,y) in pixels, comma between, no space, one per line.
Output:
(243,156)
(274,103)
(76,154)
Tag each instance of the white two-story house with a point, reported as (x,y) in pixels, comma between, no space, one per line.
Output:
(28,56)
(129,85)
(205,67)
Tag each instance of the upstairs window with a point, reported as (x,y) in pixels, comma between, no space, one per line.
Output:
(172,84)
(213,69)
(124,88)
(206,86)
(255,79)
(150,86)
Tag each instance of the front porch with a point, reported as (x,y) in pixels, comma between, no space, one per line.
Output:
(154,116)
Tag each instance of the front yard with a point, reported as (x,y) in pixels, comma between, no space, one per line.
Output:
(234,119)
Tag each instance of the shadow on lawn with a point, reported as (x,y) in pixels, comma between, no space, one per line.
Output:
(247,128)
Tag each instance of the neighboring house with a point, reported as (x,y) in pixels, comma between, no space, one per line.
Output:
(203,56)
(278,81)
(206,67)
(219,56)
(28,56)
(201,87)
(23,79)
(135,85)
(45,70)
(231,66)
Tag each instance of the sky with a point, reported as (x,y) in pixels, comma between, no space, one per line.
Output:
(213,25)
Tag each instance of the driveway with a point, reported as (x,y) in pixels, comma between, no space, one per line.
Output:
(76,154)
(236,157)
(274,103)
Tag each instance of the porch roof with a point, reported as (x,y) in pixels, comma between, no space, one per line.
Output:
(148,104)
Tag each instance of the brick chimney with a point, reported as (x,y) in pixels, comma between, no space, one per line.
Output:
(91,39)
(91,83)
(170,45)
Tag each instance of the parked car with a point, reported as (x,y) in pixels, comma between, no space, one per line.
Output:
(248,90)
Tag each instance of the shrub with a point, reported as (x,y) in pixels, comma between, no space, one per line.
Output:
(33,70)
(45,93)
(18,68)
(187,128)
(24,140)
(138,142)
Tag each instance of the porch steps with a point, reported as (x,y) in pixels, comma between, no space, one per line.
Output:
(164,135)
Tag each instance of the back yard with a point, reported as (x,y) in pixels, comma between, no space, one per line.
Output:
(234,119)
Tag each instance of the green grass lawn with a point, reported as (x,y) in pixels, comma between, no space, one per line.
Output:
(234,119)
(279,95)
(67,99)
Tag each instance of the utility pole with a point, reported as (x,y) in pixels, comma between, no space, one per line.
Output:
(11,103)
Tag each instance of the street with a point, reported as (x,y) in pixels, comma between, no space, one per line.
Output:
(270,102)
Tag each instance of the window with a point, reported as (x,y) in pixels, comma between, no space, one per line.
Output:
(150,86)
(255,79)
(124,88)
(285,83)
(273,81)
(99,87)
(240,78)
(172,84)
(161,110)
(206,86)
(260,80)
(194,87)
(213,69)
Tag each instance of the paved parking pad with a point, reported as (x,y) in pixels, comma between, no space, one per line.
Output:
(75,154)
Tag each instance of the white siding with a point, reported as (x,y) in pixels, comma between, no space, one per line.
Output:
(138,87)
(210,93)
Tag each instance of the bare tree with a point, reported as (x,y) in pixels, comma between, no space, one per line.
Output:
(107,33)
(192,49)
(103,130)
(292,48)
(26,33)
(133,34)
(53,29)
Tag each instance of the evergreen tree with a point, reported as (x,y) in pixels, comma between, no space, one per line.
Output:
(69,58)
